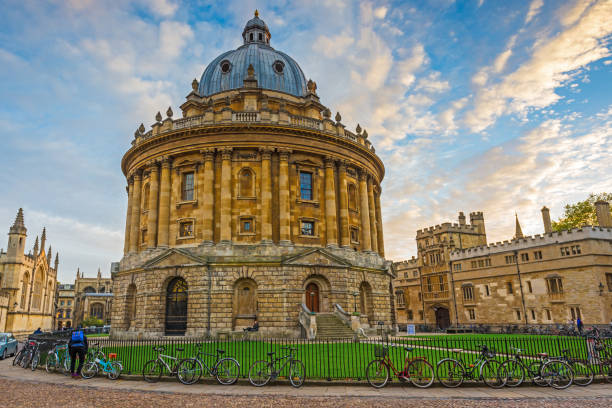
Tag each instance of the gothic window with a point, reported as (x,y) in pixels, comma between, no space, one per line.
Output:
(305,185)
(352,197)
(37,289)
(554,285)
(176,307)
(96,310)
(187,187)
(441,283)
(186,229)
(472,314)
(468,292)
(429,285)
(101,289)
(246,183)
(89,289)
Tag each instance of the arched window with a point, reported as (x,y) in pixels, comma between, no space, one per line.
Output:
(37,289)
(101,289)
(145,198)
(176,307)
(352,197)
(97,310)
(25,285)
(89,289)
(246,183)
(130,306)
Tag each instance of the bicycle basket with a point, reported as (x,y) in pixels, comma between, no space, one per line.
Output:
(380,351)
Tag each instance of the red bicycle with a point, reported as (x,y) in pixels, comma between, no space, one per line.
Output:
(417,370)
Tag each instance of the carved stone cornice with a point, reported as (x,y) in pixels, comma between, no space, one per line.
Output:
(329,161)
(283,153)
(209,154)
(226,153)
(342,166)
(166,162)
(266,153)
(137,174)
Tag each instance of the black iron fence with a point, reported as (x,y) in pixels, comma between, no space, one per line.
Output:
(341,359)
(540,329)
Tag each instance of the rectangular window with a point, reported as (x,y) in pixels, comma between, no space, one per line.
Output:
(472,314)
(420,296)
(529,288)
(429,285)
(548,315)
(474,264)
(576,250)
(441,283)
(187,191)
(69,302)
(488,262)
(518,315)
(186,229)
(247,226)
(509,288)
(555,285)
(609,281)
(487,290)
(415,274)
(468,293)
(537,255)
(510,259)
(307,228)
(481,263)
(420,315)
(533,314)
(410,315)
(143,237)
(354,235)
(525,257)
(573,314)
(305,185)
(62,303)
(457,267)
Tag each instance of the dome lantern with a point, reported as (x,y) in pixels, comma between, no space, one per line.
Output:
(256,31)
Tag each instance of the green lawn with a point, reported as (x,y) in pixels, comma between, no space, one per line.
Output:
(346,359)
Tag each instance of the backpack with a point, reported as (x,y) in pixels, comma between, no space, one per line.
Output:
(77,339)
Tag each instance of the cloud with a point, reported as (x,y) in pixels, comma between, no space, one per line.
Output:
(534,9)
(162,8)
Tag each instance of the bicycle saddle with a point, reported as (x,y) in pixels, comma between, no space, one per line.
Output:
(220,351)
(180,349)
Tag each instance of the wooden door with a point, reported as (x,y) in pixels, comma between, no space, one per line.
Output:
(442,318)
(312,297)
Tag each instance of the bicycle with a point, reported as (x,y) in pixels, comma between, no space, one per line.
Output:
(55,359)
(556,372)
(602,353)
(452,372)
(517,370)
(262,371)
(21,352)
(416,370)
(225,370)
(153,369)
(583,375)
(98,360)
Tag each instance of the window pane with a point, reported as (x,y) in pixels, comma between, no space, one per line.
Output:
(306,186)
(187,187)
(307,228)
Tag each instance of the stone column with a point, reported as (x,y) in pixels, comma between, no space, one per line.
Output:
(135,221)
(379,229)
(284,204)
(331,227)
(266,195)
(128,216)
(153,195)
(207,197)
(343,205)
(366,239)
(164,204)
(226,196)
(372,208)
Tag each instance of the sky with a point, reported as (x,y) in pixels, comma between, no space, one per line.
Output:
(477,105)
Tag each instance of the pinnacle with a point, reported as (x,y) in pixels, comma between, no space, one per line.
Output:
(18,226)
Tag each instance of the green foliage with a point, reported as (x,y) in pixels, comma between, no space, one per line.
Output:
(92,321)
(580,213)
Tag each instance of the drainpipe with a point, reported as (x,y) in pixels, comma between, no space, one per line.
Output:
(450,266)
(422,296)
(518,272)
(208,270)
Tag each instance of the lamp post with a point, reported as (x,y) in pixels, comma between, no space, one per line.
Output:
(355,294)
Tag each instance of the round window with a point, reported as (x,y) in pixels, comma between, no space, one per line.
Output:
(278,67)
(226,66)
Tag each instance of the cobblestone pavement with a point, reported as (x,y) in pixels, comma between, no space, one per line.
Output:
(24,388)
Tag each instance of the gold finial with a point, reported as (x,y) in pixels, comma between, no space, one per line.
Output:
(256,13)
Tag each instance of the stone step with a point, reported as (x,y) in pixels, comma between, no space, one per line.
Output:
(329,326)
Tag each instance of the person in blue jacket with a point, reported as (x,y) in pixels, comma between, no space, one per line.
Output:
(77,346)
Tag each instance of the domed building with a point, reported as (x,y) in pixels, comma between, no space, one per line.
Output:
(256,204)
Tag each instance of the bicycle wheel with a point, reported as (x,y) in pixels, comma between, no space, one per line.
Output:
(115,370)
(377,373)
(89,370)
(18,357)
(450,372)
(152,371)
(297,373)
(35,360)
(493,374)
(25,361)
(66,365)
(515,373)
(189,371)
(260,373)
(535,372)
(51,363)
(558,374)
(583,373)
(421,373)
(227,371)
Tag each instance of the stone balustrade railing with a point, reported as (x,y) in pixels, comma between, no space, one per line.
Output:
(284,118)
(308,320)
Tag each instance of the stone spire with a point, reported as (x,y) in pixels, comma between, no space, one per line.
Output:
(518,233)
(18,226)
(78,272)
(49,256)
(99,273)
(56,263)
(43,240)
(36,247)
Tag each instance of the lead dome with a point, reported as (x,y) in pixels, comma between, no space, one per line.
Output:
(274,70)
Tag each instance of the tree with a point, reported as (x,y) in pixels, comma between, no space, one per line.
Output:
(580,213)
(92,321)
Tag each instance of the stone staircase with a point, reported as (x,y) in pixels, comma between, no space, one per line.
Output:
(329,326)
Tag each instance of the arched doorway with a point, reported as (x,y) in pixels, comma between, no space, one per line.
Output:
(365,301)
(442,317)
(176,307)
(312,297)
(245,303)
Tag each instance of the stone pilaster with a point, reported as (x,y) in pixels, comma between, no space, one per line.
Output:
(366,238)
(207,197)
(135,221)
(164,204)
(226,196)
(266,195)
(343,205)
(128,216)
(372,208)
(331,226)
(283,197)
(153,195)
(379,229)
